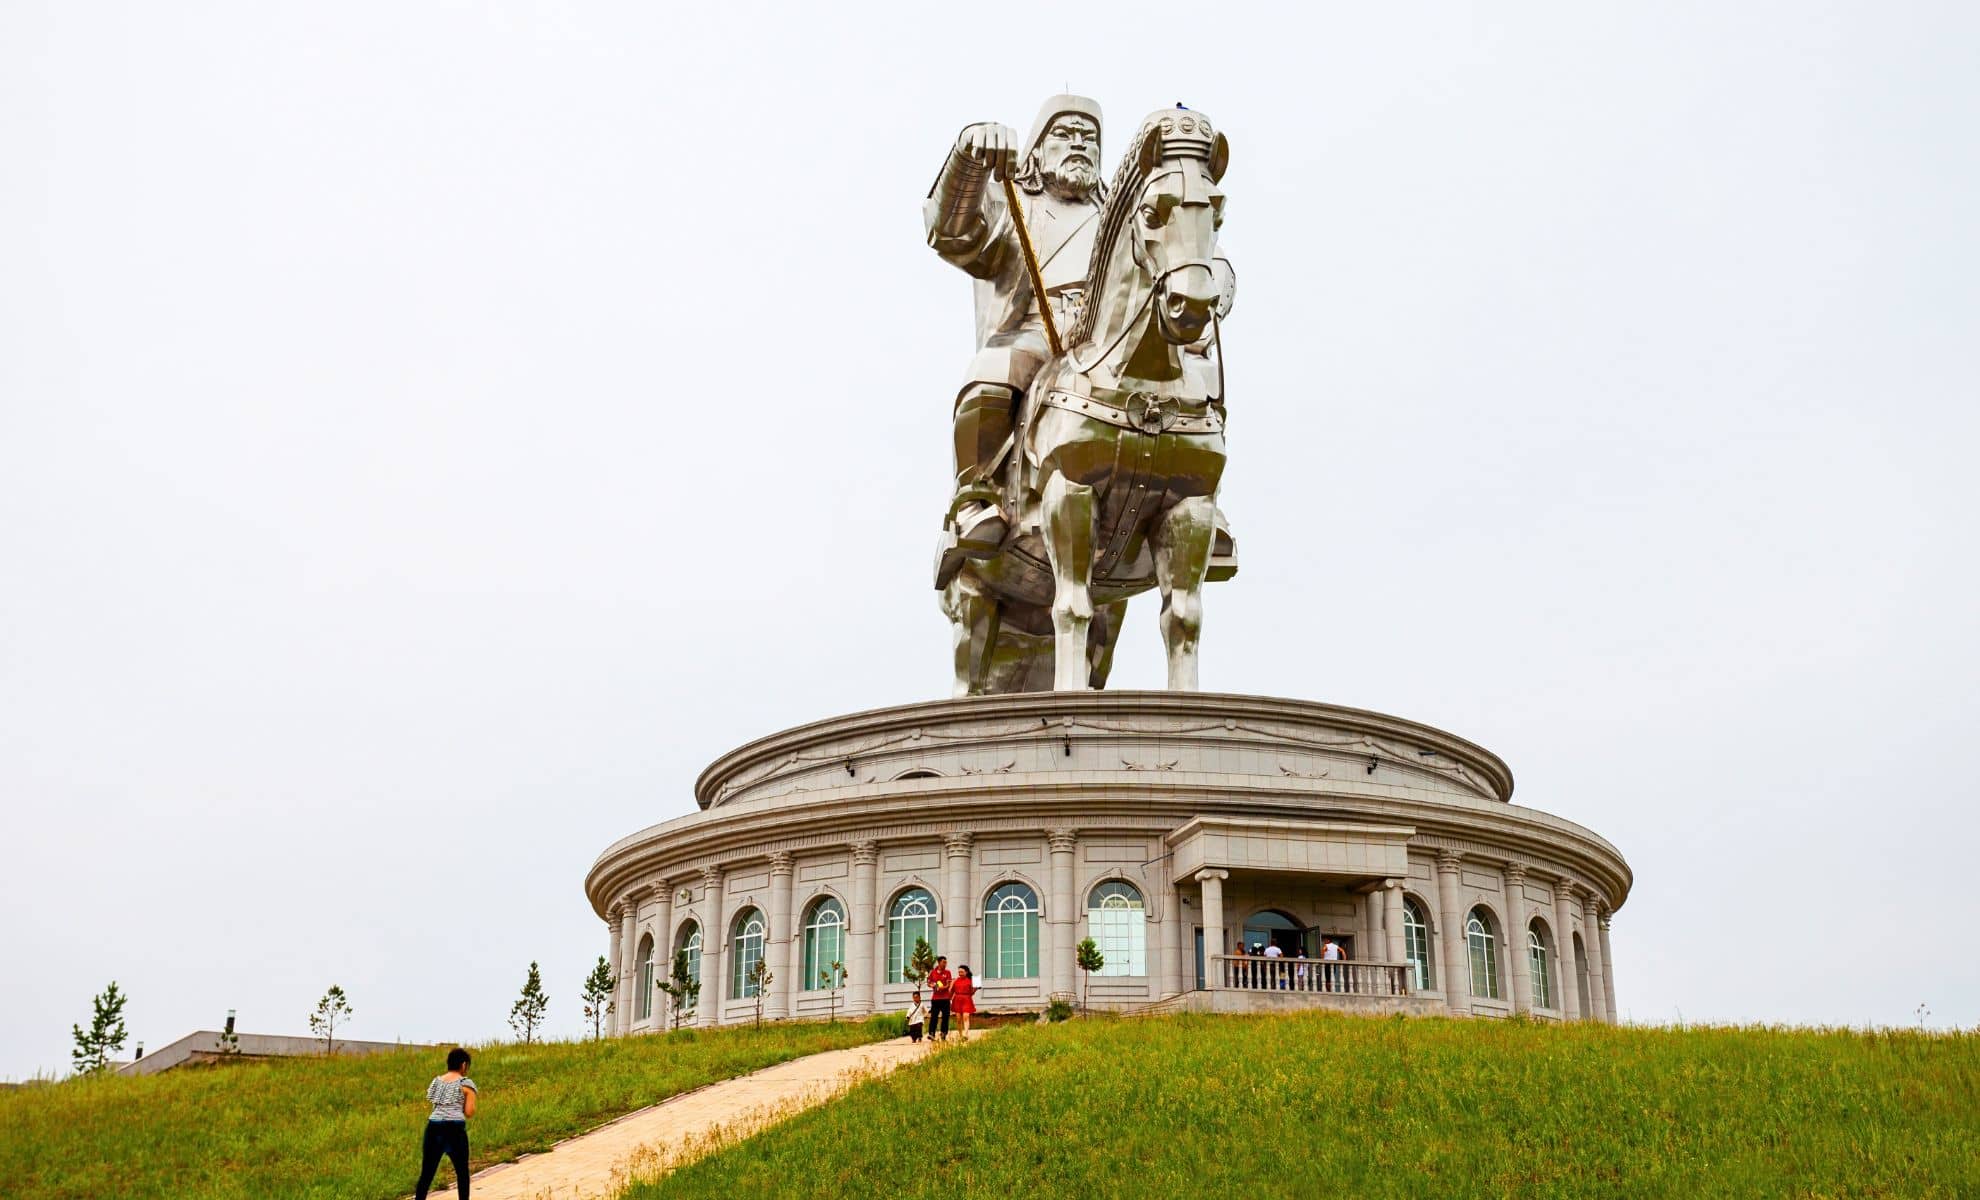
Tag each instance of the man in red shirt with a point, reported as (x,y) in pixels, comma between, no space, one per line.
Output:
(941,986)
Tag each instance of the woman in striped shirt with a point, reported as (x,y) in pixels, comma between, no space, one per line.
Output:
(453,1097)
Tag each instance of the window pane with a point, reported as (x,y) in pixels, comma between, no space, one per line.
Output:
(912,915)
(824,943)
(1416,943)
(748,947)
(1118,924)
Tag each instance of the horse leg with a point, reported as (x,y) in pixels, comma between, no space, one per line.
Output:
(973,634)
(1182,560)
(1068,512)
(1100,653)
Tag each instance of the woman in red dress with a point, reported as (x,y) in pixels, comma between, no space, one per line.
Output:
(964,994)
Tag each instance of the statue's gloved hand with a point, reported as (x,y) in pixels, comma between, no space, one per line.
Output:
(990,145)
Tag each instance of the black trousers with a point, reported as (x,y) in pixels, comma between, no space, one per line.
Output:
(938,1018)
(448,1138)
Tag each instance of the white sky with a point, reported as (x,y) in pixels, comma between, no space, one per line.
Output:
(429,434)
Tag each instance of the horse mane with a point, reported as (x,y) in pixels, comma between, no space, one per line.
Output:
(1122,198)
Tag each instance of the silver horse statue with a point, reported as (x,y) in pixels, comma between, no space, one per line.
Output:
(1119,449)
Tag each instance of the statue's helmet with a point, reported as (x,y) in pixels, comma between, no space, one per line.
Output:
(1052,110)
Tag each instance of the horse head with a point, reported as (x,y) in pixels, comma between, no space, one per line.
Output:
(1173,232)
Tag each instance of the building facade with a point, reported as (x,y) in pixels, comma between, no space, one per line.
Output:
(1186,833)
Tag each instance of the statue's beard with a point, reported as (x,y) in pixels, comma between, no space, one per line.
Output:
(1070,181)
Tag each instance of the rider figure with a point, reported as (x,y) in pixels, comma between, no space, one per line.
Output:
(970,225)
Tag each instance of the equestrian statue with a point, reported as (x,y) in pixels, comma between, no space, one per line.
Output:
(1087,461)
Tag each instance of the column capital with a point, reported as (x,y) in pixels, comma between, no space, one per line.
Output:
(711,878)
(781,862)
(1062,840)
(1603,920)
(661,886)
(1392,885)
(1209,875)
(956,845)
(866,853)
(614,913)
(1449,860)
(1515,874)
(1566,889)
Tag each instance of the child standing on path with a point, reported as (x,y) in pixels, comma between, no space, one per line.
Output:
(453,1097)
(939,981)
(917,1015)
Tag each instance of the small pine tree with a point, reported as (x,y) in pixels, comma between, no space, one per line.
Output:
(682,988)
(106,1032)
(760,979)
(331,1011)
(1088,959)
(598,1003)
(831,979)
(527,1013)
(920,963)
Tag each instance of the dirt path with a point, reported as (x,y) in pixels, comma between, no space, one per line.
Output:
(599,1164)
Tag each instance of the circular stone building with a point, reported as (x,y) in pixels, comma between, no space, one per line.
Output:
(1211,845)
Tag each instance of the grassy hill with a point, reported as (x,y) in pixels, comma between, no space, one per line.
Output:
(348,1128)
(1321,1105)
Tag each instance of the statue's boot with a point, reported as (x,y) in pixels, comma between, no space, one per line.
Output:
(977,524)
(1223,551)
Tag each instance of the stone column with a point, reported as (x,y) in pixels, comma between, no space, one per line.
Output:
(1213,925)
(1450,928)
(1060,911)
(1564,948)
(663,950)
(865,965)
(1181,977)
(628,960)
(615,924)
(1373,943)
(955,898)
(1392,920)
(1156,938)
(1608,968)
(777,943)
(1522,963)
(1595,1006)
(714,948)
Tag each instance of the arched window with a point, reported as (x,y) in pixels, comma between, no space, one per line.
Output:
(748,946)
(1118,922)
(1536,957)
(912,915)
(824,944)
(1484,954)
(691,946)
(1010,933)
(643,1003)
(1416,942)
(919,773)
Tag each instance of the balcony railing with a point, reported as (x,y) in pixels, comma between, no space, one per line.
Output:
(1341,977)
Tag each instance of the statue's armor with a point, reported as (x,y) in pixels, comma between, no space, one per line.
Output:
(969,224)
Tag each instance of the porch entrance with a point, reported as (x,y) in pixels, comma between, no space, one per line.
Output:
(1270,927)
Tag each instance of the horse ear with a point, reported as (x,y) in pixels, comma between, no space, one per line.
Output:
(1151,151)
(1220,158)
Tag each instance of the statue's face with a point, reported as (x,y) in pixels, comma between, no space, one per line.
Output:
(1068,157)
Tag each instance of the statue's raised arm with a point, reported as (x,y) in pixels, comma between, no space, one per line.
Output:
(964,213)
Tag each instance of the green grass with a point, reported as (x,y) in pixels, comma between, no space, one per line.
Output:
(1324,1105)
(349,1128)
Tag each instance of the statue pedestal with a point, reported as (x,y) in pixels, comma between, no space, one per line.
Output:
(1172,827)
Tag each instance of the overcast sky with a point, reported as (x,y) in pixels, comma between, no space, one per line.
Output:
(429,434)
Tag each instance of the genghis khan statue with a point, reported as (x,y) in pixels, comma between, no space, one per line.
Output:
(1057,171)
